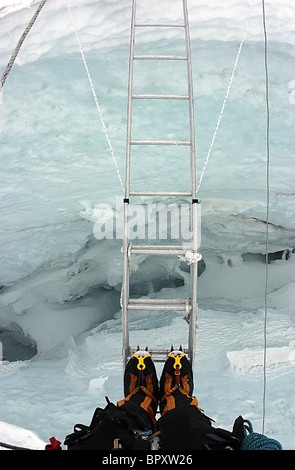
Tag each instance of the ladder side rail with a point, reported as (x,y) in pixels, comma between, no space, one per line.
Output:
(193,313)
(126,261)
(125,286)
(191,101)
(194,284)
(129,105)
(194,266)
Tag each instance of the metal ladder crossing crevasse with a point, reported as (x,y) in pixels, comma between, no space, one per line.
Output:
(189,306)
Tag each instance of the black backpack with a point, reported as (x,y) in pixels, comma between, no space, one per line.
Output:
(111,427)
(187,428)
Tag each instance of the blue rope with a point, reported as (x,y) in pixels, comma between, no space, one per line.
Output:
(255,441)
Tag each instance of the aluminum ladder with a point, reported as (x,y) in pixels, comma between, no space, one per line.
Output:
(189,305)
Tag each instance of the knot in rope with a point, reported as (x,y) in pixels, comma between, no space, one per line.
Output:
(190,257)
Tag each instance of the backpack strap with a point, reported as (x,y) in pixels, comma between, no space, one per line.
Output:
(221,439)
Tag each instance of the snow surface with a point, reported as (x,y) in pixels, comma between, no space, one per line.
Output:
(61,286)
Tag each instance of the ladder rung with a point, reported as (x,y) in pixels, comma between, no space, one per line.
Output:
(159,97)
(161,193)
(160,25)
(157,249)
(160,357)
(159,57)
(158,301)
(160,142)
(158,304)
(164,308)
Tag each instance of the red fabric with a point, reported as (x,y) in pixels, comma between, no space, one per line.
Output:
(54,444)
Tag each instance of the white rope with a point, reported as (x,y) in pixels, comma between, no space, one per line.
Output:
(190,257)
(225,98)
(267,217)
(95,98)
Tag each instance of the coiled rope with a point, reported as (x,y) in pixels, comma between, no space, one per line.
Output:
(19,44)
(255,441)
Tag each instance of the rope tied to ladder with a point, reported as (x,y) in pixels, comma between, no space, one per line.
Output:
(190,257)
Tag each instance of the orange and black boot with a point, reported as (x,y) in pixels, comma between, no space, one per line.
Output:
(176,382)
(141,386)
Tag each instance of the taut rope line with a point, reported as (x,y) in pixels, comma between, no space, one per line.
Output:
(267,215)
(19,44)
(95,98)
(225,98)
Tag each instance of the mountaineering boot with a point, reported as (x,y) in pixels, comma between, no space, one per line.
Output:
(140,371)
(176,382)
(141,385)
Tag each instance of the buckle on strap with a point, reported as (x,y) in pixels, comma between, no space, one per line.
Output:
(177,357)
